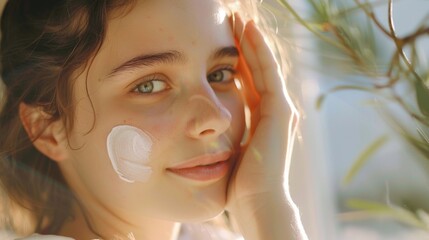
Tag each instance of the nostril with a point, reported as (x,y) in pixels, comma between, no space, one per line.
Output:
(207,132)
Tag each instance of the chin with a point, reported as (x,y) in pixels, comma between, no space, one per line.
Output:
(202,215)
(201,204)
(210,203)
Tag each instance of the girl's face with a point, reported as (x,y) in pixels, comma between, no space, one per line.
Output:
(166,68)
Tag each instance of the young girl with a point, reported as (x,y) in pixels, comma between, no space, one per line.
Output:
(122,119)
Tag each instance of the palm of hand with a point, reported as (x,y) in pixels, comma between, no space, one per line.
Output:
(260,169)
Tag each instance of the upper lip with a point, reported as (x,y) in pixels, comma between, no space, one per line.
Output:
(205,159)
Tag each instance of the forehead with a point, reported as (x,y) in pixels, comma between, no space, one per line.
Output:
(163,21)
(163,25)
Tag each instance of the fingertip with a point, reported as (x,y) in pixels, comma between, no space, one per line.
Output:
(251,26)
(237,25)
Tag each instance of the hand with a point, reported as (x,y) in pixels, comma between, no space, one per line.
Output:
(260,171)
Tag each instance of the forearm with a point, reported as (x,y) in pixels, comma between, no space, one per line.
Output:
(271,217)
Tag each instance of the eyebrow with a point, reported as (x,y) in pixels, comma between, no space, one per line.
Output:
(168,57)
(149,60)
(230,51)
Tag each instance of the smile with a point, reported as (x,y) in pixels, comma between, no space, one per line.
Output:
(204,168)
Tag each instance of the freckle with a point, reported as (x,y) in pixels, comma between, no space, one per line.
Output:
(170,39)
(161,29)
(193,43)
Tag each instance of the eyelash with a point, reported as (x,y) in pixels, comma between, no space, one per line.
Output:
(157,80)
(231,70)
(153,79)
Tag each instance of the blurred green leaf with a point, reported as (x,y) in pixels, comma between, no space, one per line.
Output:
(422,95)
(395,212)
(363,158)
(322,97)
(423,216)
(349,42)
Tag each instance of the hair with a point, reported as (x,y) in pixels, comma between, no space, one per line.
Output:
(43,44)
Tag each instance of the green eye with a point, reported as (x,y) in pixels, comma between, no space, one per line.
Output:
(152,86)
(221,75)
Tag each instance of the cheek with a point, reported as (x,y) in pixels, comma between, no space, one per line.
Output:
(235,105)
(163,129)
(129,150)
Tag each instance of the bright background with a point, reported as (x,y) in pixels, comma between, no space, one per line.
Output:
(332,138)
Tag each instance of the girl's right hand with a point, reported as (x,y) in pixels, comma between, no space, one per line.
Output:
(261,169)
(257,196)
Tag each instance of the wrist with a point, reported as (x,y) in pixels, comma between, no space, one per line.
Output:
(248,205)
(267,216)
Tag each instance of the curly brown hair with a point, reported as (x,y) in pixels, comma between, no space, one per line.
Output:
(44,43)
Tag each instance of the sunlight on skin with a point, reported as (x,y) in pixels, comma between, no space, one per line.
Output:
(220,16)
(292,132)
(214,145)
(247,112)
(175,117)
(197,117)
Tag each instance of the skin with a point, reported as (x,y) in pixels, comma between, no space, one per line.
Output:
(175,121)
(187,128)
(264,208)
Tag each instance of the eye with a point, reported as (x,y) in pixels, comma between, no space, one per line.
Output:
(223,75)
(151,86)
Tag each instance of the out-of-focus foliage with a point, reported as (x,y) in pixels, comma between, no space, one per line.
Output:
(355,38)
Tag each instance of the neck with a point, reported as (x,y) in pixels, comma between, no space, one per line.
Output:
(93,221)
(93,225)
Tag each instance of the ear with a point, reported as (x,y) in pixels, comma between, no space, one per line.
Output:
(49,137)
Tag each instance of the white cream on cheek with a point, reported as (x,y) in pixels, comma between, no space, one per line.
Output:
(129,149)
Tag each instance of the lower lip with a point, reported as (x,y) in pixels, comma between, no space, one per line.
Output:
(203,173)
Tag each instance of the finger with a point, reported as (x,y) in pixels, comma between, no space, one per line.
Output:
(237,26)
(261,61)
(249,91)
(249,57)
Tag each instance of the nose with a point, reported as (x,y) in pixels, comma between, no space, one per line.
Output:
(209,118)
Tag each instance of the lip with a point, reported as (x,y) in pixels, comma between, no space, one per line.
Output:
(204,168)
